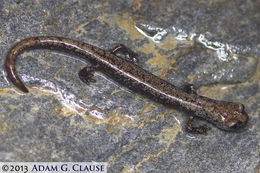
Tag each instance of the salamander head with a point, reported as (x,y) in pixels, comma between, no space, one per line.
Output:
(231,116)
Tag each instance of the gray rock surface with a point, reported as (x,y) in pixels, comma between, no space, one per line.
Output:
(211,44)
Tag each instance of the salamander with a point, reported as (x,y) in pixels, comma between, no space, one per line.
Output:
(225,115)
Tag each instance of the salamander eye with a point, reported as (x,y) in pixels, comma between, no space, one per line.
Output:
(241,107)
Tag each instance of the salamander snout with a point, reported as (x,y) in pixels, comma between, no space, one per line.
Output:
(230,116)
(237,118)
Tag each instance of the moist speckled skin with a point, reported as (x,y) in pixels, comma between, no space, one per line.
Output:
(225,115)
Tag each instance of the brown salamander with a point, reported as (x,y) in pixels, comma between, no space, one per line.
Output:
(225,115)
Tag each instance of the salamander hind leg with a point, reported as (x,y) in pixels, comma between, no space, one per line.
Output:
(86,74)
(199,130)
(132,56)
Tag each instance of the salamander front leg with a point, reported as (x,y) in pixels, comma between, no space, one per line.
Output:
(189,88)
(189,127)
(86,74)
(199,130)
(125,50)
